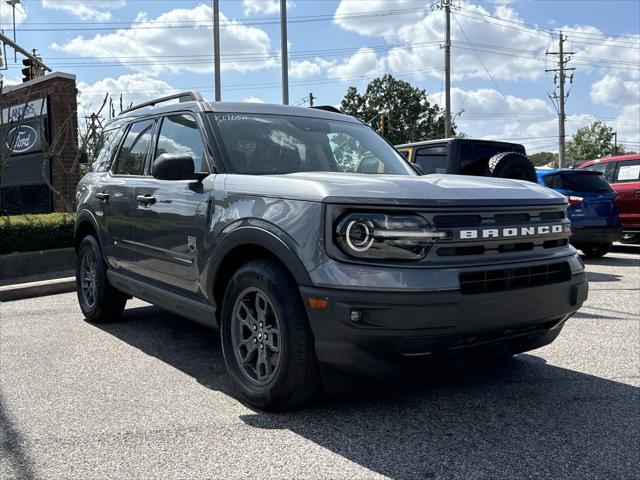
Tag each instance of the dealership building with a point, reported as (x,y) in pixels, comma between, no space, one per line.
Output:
(39,132)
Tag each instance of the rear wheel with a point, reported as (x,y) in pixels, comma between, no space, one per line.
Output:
(98,300)
(631,238)
(266,339)
(595,250)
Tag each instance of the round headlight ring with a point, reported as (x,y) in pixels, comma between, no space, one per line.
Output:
(363,233)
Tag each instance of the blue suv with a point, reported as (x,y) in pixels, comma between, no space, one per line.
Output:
(592,208)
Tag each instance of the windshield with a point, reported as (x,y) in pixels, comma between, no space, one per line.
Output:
(279,144)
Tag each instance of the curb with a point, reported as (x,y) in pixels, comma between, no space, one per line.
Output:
(21,291)
(41,262)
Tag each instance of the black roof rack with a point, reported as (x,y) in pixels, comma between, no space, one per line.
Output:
(327,108)
(182,97)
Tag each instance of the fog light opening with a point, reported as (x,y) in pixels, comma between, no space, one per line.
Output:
(356,316)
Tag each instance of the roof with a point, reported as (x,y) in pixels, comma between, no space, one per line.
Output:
(617,158)
(564,171)
(447,140)
(193,101)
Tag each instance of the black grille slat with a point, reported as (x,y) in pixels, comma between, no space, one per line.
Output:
(547,216)
(513,278)
(512,217)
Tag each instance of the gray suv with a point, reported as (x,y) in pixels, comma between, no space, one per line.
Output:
(266,222)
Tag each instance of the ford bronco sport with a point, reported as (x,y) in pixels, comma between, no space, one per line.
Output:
(256,220)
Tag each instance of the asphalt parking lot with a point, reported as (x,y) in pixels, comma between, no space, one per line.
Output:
(149,397)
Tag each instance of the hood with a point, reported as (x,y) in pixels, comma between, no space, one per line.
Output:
(402,190)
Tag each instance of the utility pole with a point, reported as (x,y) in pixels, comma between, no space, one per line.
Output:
(216,49)
(615,143)
(560,98)
(446,6)
(284,51)
(13,4)
(311,99)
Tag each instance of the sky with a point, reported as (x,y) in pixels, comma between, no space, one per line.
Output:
(148,48)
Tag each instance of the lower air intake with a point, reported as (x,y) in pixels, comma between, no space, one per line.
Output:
(514,278)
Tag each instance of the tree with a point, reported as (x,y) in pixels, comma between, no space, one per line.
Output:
(591,142)
(408,115)
(543,158)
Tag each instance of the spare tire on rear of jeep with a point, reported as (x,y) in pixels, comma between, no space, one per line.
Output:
(512,165)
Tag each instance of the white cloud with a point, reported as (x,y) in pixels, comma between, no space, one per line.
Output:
(253,99)
(135,88)
(364,62)
(97,10)
(613,90)
(361,16)
(423,33)
(308,68)
(268,7)
(164,49)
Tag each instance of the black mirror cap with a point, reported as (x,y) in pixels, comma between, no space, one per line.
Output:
(417,168)
(170,166)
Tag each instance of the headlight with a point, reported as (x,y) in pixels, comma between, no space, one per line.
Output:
(385,237)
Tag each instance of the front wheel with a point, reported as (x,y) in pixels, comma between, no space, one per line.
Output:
(596,250)
(266,339)
(98,300)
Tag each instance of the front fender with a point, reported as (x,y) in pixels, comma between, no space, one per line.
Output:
(258,235)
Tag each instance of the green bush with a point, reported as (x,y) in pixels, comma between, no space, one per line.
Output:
(27,233)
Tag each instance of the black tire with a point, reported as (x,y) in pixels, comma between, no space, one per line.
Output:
(105,303)
(295,380)
(595,250)
(512,165)
(630,238)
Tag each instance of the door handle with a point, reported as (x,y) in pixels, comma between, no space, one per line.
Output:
(102,196)
(638,193)
(146,199)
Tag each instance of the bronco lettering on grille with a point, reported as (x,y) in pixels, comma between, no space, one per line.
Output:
(511,232)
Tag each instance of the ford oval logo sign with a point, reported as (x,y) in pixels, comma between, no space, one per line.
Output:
(23,139)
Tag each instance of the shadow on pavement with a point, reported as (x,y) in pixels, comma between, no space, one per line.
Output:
(12,450)
(523,418)
(603,277)
(626,248)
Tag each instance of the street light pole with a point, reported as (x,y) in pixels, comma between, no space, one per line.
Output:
(284,50)
(216,49)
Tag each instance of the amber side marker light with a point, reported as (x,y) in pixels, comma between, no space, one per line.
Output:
(318,303)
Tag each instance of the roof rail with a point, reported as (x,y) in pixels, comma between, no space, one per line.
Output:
(182,97)
(327,108)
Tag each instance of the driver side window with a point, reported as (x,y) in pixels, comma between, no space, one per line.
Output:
(180,135)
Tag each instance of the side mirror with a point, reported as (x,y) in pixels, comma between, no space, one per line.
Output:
(417,168)
(173,167)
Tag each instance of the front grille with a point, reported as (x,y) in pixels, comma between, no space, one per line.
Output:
(513,278)
(500,220)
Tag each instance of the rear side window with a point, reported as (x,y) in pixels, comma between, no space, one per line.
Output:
(432,159)
(553,181)
(588,183)
(135,148)
(628,172)
(107,143)
(179,134)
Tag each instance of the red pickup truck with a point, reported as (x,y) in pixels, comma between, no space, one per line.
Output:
(623,173)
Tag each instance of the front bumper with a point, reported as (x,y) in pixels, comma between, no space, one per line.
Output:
(596,235)
(396,329)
